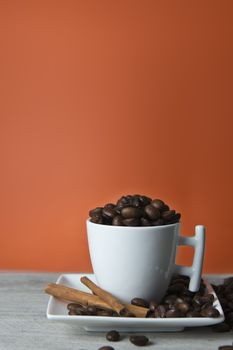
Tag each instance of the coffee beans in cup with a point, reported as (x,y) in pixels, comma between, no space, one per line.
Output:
(135,210)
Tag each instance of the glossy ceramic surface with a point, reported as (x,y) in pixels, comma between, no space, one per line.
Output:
(139,261)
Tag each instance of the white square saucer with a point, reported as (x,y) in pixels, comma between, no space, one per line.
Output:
(57,311)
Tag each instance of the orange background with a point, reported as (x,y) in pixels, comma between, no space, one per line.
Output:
(104,98)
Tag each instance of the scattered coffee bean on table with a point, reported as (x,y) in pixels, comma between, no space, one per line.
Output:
(224,293)
(113,336)
(106,348)
(139,340)
(221,327)
(226,347)
(135,210)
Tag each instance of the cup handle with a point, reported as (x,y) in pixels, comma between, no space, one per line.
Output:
(194,271)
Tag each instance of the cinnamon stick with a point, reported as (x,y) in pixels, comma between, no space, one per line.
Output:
(113,302)
(69,294)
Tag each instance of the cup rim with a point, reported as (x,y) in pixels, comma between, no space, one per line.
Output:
(133,227)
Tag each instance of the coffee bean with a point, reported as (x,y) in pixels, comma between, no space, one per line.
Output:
(198,300)
(228,290)
(139,302)
(109,213)
(187,299)
(152,212)
(122,202)
(96,219)
(229,296)
(73,306)
(168,215)
(118,209)
(173,313)
(170,299)
(221,327)
(157,203)
(110,205)
(229,318)
(223,301)
(131,212)
(197,308)
(153,305)
(104,312)
(97,211)
(131,222)
(203,301)
(106,348)
(150,314)
(145,200)
(193,313)
(145,222)
(81,311)
(77,309)
(91,310)
(118,221)
(221,289)
(158,222)
(113,336)
(206,305)
(126,313)
(164,208)
(160,312)
(179,300)
(72,313)
(136,201)
(183,307)
(139,340)
(208,298)
(226,347)
(176,288)
(210,312)
(226,310)
(174,219)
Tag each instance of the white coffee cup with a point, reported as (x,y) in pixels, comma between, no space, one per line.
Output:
(139,261)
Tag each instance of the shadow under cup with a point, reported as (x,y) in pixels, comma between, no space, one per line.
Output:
(133,261)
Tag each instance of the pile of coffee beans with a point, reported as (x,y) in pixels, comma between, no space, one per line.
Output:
(180,302)
(135,210)
(225,295)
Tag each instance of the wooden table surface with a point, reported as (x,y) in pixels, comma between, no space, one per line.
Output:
(23,323)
